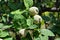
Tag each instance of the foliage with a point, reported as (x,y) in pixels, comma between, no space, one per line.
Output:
(14,15)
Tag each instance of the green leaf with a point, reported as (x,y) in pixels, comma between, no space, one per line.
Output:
(42,22)
(12,5)
(15,12)
(47,32)
(18,12)
(29,21)
(43,37)
(6,26)
(3,19)
(1,25)
(37,38)
(3,34)
(46,18)
(47,13)
(28,3)
(8,39)
(18,16)
(57,39)
(32,26)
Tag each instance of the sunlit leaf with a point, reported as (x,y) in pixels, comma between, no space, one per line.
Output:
(18,16)
(3,19)
(8,39)
(32,26)
(37,38)
(30,22)
(28,3)
(18,12)
(47,32)
(43,37)
(1,25)
(4,34)
(57,39)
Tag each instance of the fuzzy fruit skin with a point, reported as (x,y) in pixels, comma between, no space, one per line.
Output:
(37,19)
(33,11)
(22,32)
(1,39)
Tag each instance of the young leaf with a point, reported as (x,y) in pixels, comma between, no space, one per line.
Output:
(4,34)
(43,37)
(1,25)
(30,22)
(18,16)
(3,19)
(28,3)
(57,39)
(37,38)
(6,26)
(32,26)
(47,32)
(18,12)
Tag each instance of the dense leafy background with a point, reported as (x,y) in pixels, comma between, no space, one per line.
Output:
(14,15)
